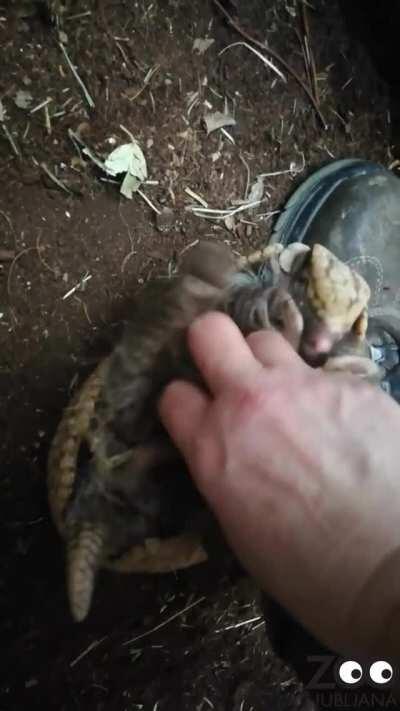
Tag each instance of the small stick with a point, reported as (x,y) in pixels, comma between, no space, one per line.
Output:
(47,119)
(87,651)
(166,622)
(265,61)
(146,199)
(76,17)
(221,214)
(13,263)
(195,196)
(309,52)
(42,104)
(126,259)
(77,77)
(276,56)
(239,624)
(54,178)
(80,285)
(11,140)
(248,177)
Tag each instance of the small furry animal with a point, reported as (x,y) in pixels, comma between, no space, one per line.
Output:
(118,488)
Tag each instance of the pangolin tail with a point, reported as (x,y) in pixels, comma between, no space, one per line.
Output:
(85,546)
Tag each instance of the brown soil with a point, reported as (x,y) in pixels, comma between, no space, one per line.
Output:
(200,660)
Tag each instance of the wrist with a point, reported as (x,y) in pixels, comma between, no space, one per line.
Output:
(375,615)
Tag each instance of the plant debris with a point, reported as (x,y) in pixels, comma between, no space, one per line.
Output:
(258,54)
(217,119)
(256,190)
(23,99)
(77,77)
(201,45)
(128,159)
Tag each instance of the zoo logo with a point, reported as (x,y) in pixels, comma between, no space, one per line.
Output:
(349,674)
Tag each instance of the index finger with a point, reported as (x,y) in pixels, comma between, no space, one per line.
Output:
(220,352)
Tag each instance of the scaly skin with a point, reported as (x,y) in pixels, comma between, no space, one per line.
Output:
(337,293)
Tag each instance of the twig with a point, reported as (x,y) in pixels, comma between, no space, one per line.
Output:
(216,214)
(126,259)
(166,622)
(42,104)
(305,52)
(239,624)
(309,52)
(258,54)
(128,133)
(77,77)
(146,199)
(47,120)
(78,16)
(227,135)
(195,196)
(54,178)
(124,56)
(146,81)
(247,178)
(13,263)
(79,285)
(276,56)
(90,648)
(11,140)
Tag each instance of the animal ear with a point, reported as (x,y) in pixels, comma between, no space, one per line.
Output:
(85,546)
(361,366)
(293,257)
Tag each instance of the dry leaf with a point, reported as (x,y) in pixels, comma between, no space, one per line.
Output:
(256,190)
(217,120)
(23,99)
(127,158)
(201,45)
(130,185)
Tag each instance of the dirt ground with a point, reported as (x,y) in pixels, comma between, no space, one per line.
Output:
(137,61)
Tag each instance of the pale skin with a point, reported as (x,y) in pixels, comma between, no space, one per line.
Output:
(301,468)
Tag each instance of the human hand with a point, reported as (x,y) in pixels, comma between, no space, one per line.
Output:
(300,468)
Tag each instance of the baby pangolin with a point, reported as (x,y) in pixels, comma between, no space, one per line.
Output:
(119,491)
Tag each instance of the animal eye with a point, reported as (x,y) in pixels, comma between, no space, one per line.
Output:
(350,672)
(381,672)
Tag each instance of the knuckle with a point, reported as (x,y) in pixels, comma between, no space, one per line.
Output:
(262,399)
